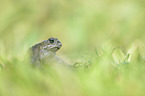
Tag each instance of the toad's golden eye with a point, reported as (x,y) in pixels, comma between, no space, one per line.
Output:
(51,40)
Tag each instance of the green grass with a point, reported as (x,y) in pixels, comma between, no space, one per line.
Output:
(95,75)
(102,39)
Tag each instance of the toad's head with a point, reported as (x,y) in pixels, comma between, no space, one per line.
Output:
(49,47)
(52,44)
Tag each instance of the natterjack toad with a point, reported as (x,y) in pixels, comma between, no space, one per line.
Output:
(44,53)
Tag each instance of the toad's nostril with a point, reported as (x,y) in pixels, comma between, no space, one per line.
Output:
(58,42)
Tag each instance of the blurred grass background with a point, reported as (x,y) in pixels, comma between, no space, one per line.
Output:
(82,26)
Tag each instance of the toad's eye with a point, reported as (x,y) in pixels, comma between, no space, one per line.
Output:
(51,40)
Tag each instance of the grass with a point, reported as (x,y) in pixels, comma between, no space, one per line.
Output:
(103,41)
(97,75)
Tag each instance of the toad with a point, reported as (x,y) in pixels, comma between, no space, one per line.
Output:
(44,53)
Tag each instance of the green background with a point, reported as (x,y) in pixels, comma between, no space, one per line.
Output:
(86,28)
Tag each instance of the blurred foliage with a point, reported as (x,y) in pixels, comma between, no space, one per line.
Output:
(104,39)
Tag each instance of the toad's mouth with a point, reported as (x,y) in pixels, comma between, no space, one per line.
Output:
(54,49)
